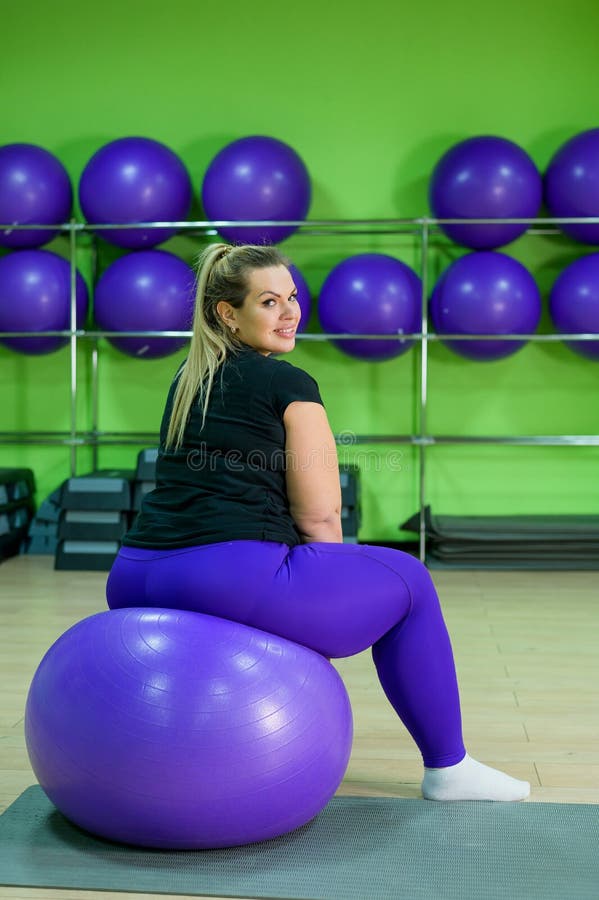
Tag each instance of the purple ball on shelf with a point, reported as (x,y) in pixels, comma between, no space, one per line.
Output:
(255,179)
(371,293)
(485,293)
(574,303)
(135,179)
(151,290)
(34,189)
(35,295)
(485,178)
(572,185)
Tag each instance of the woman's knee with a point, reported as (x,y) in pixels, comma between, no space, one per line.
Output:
(409,568)
(420,577)
(414,576)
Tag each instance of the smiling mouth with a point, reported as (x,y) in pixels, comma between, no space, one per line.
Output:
(286,332)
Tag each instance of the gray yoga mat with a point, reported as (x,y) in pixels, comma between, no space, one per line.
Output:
(550,529)
(356,849)
(531,542)
(495,564)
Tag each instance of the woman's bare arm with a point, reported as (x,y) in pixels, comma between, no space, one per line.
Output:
(313,486)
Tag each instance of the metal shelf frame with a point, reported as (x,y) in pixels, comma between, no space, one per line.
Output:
(422,228)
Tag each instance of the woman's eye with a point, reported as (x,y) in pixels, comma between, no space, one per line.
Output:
(270,301)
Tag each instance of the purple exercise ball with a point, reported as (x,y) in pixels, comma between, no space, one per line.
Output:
(485,293)
(303,297)
(485,178)
(255,179)
(574,303)
(371,293)
(178,730)
(572,185)
(34,189)
(35,295)
(151,290)
(135,179)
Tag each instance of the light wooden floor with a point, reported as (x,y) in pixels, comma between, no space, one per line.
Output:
(526,648)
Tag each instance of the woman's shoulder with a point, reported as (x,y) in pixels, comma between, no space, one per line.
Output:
(282,379)
(290,382)
(271,366)
(288,373)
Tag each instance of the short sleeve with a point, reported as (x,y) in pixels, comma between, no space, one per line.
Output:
(289,384)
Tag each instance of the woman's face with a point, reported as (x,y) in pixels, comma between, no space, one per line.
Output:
(270,314)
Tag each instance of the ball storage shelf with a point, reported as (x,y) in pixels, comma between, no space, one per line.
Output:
(420,229)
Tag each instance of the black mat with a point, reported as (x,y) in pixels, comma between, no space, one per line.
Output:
(567,542)
(356,849)
(544,564)
(548,528)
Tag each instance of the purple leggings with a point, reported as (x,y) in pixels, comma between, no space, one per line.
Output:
(337,599)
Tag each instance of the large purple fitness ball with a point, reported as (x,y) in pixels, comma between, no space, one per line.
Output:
(256,179)
(35,189)
(175,729)
(371,293)
(572,185)
(485,178)
(485,293)
(35,295)
(151,290)
(135,179)
(574,303)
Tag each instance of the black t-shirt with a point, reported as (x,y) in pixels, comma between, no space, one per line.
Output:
(227,481)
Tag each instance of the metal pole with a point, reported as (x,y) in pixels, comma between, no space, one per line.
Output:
(95,342)
(95,446)
(73,344)
(422,417)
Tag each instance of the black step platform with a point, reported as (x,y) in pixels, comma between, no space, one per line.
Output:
(91,556)
(16,486)
(98,491)
(42,536)
(92,525)
(351,510)
(17,506)
(94,516)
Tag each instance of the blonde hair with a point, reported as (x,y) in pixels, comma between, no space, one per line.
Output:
(223,273)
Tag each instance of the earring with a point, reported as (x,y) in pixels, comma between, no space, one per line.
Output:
(233,329)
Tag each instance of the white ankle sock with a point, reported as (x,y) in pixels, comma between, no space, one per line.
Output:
(471,780)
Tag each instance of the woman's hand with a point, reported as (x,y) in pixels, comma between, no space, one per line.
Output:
(313,486)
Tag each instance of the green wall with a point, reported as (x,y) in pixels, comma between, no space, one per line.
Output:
(370,95)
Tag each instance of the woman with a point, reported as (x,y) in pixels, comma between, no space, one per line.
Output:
(244,522)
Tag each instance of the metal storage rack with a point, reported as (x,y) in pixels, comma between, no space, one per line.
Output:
(420,228)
